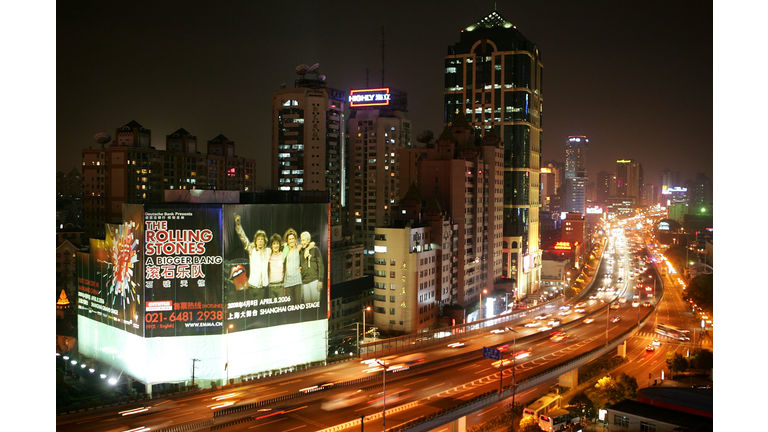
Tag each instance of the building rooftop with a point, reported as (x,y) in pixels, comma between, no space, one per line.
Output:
(661,414)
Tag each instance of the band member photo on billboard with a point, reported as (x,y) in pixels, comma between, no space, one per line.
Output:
(286,273)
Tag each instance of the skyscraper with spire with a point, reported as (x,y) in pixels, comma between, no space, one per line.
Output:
(493,76)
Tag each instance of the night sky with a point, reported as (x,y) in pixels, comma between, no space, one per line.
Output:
(634,77)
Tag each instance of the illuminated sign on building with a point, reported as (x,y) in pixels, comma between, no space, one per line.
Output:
(668,191)
(563,245)
(664,226)
(369,97)
(594,210)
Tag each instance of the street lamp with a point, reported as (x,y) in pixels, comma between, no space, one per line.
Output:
(359,344)
(514,384)
(480,311)
(384,391)
(226,365)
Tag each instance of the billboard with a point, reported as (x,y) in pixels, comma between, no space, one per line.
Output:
(109,277)
(369,97)
(275,268)
(182,270)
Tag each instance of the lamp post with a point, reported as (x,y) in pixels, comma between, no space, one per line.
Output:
(384,400)
(226,365)
(514,364)
(360,345)
(480,311)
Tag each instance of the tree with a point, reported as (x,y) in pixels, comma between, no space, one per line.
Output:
(583,406)
(700,290)
(676,254)
(426,137)
(702,359)
(529,424)
(676,362)
(612,391)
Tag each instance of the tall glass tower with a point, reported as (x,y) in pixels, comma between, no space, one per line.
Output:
(576,177)
(494,76)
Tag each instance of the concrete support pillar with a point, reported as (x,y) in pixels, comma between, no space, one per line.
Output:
(569,379)
(148,390)
(459,425)
(622,350)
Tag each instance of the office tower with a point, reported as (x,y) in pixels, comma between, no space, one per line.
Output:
(576,148)
(670,180)
(493,76)
(603,187)
(552,179)
(308,138)
(700,190)
(130,170)
(629,181)
(378,126)
(463,174)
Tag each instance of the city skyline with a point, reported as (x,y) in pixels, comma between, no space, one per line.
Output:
(637,82)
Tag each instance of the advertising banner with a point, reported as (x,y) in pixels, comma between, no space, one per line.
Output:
(275,267)
(182,270)
(109,278)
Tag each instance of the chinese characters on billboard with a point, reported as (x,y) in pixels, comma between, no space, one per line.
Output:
(275,267)
(182,270)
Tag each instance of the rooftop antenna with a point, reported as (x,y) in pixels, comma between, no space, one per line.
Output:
(382,56)
(366,78)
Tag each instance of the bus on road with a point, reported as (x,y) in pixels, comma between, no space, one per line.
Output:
(673,332)
(543,405)
(556,420)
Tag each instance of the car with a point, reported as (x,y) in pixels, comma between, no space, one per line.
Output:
(649,288)
(636,296)
(593,297)
(647,304)
(616,319)
(581,311)
(656,342)
(589,320)
(581,305)
(565,312)
(622,300)
(614,306)
(542,316)
(456,345)
(546,328)
(558,337)
(533,324)
(635,303)
(650,348)
(602,288)
(553,323)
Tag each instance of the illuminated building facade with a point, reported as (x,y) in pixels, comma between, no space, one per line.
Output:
(131,171)
(629,181)
(378,127)
(494,76)
(576,148)
(463,174)
(308,138)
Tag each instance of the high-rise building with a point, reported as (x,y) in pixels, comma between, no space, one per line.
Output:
(700,190)
(378,127)
(462,173)
(308,138)
(629,181)
(131,171)
(603,187)
(576,148)
(670,180)
(552,179)
(493,76)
